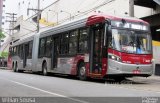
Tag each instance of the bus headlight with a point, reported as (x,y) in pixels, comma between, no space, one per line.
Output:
(116,58)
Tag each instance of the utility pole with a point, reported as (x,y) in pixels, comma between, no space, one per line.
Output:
(131,8)
(12,16)
(38,11)
(38,14)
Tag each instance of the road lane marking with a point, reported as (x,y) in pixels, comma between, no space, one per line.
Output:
(55,94)
(116,86)
(38,89)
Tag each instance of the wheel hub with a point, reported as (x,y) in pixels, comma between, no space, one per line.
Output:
(82,71)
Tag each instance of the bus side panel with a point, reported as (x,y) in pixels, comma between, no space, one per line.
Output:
(17,61)
(44,60)
(65,65)
(39,64)
(104,66)
(20,63)
(77,59)
(29,64)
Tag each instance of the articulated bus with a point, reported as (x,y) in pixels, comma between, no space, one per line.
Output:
(97,46)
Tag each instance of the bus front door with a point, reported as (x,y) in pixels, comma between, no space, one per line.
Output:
(96,49)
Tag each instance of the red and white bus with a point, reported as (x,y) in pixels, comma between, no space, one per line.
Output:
(97,46)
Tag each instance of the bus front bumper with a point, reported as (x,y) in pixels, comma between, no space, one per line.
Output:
(128,70)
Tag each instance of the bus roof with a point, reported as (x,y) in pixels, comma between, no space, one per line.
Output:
(102,17)
(23,40)
(86,21)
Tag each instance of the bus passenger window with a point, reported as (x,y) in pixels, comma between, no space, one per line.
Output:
(22,51)
(42,47)
(73,42)
(83,37)
(30,49)
(48,46)
(14,51)
(18,50)
(10,51)
(64,43)
(56,45)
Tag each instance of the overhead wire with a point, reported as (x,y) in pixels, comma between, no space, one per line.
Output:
(35,15)
(84,13)
(43,9)
(90,10)
(92,3)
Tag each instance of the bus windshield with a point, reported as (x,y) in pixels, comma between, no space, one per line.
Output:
(131,41)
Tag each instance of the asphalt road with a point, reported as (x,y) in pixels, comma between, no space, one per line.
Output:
(67,89)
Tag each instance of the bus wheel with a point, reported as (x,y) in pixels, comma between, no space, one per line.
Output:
(16,68)
(82,72)
(13,67)
(45,73)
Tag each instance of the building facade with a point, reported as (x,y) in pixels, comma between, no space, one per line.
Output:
(154,19)
(1,10)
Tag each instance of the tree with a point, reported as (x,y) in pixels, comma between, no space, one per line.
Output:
(2,54)
(2,35)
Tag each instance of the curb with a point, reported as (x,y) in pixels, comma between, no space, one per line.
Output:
(4,68)
(152,78)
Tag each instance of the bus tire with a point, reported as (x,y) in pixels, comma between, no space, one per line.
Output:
(13,67)
(44,69)
(82,71)
(16,68)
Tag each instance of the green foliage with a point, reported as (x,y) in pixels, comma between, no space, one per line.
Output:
(2,35)
(4,54)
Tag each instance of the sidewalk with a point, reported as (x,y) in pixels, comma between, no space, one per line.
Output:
(3,68)
(152,78)
(151,83)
